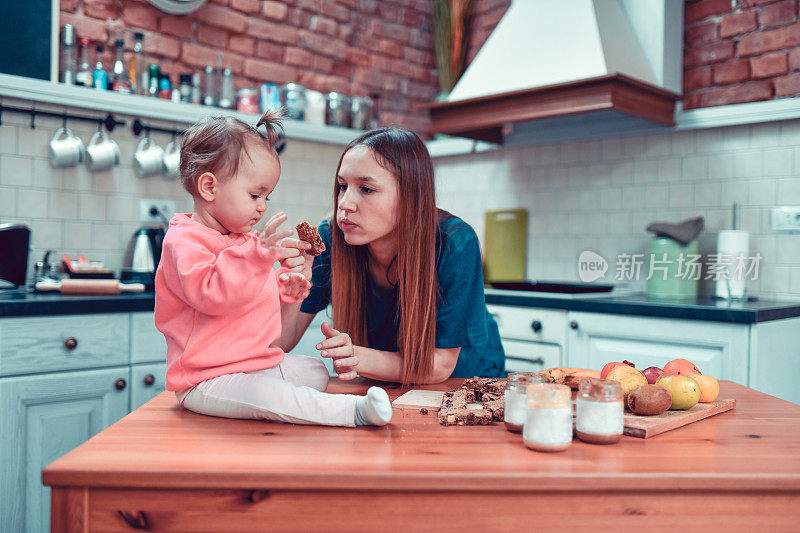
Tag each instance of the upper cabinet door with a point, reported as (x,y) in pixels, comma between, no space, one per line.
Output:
(44,417)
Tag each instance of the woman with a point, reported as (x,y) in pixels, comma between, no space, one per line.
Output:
(404,278)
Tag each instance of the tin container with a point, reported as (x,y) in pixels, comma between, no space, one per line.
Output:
(293,99)
(361,112)
(338,110)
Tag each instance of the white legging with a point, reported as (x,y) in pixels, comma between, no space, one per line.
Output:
(290,392)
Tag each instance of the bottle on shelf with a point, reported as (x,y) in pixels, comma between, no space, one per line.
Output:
(100,76)
(153,74)
(226,96)
(195,95)
(185,88)
(68,57)
(210,96)
(84,75)
(164,87)
(121,83)
(136,68)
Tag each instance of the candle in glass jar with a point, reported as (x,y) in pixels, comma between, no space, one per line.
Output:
(548,419)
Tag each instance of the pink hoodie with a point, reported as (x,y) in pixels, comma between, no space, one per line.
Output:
(217,303)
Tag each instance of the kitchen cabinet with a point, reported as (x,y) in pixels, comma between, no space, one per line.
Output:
(62,380)
(533,339)
(761,355)
(45,416)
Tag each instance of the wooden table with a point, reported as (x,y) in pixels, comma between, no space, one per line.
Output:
(165,469)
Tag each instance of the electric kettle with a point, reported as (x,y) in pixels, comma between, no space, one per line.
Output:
(143,256)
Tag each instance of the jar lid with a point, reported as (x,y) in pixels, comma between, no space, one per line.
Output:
(247,91)
(549,395)
(336,96)
(600,389)
(291,86)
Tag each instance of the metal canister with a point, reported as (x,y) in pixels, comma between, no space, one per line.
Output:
(293,98)
(338,110)
(361,112)
(247,100)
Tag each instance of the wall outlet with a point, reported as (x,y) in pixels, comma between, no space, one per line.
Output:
(156,211)
(785,219)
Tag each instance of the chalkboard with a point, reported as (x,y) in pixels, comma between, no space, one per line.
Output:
(26,37)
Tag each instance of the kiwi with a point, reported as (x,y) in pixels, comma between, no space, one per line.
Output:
(649,400)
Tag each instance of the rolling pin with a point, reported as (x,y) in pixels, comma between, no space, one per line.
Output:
(89,286)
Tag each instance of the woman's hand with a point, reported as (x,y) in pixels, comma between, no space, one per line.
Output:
(295,286)
(339,347)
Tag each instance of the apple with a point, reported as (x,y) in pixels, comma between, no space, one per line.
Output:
(652,373)
(685,391)
(611,366)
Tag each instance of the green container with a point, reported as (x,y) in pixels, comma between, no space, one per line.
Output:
(674,276)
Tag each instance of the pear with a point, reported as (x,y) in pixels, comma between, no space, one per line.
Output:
(629,378)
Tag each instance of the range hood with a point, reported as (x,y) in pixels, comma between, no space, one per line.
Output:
(561,69)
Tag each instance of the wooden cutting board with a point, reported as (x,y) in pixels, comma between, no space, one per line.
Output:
(647,426)
(416,399)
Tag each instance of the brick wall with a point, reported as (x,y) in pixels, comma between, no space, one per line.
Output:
(740,51)
(357,47)
(734,50)
(485,16)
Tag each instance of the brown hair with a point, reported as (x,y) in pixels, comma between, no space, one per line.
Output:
(216,144)
(404,155)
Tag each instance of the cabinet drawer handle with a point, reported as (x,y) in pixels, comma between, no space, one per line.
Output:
(573,325)
(257,495)
(70,343)
(538,361)
(120,384)
(149,379)
(135,520)
(536,326)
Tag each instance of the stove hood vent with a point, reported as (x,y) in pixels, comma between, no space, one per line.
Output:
(559,69)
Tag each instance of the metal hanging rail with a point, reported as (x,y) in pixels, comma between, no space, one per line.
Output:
(109,121)
(138,127)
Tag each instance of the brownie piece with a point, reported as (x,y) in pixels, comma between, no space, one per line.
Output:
(485,385)
(307,232)
(465,417)
(454,411)
(497,406)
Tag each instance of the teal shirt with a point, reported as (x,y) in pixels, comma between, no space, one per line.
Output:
(462,320)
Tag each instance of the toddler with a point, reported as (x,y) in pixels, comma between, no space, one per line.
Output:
(218,299)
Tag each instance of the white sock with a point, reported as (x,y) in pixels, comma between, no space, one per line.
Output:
(374,409)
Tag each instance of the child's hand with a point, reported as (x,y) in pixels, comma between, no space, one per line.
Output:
(339,347)
(271,237)
(295,285)
(290,252)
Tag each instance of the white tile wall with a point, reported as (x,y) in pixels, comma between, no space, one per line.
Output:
(600,195)
(74,211)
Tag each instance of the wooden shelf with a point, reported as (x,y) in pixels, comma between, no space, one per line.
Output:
(46,92)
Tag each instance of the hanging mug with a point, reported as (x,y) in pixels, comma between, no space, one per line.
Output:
(148,158)
(102,152)
(65,149)
(172,159)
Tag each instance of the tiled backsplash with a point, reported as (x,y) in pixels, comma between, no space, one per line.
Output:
(596,195)
(600,195)
(74,211)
